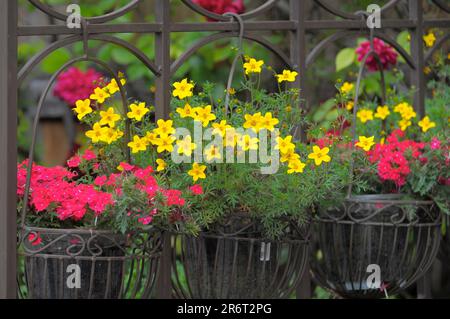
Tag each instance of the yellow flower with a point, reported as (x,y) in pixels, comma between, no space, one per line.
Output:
(426,124)
(111,135)
(232,91)
(99,95)
(253,66)
(83,107)
(406,111)
(288,109)
(320,155)
(382,112)
(185,146)
(220,128)
(268,122)
(296,167)
(165,143)
(429,39)
(109,117)
(246,142)
(187,111)
(213,152)
(287,75)
(204,115)
(164,127)
(289,156)
(161,165)
(285,144)
(151,138)
(365,115)
(365,142)
(113,87)
(138,144)
(427,70)
(404,124)
(183,89)
(349,105)
(253,121)
(97,133)
(137,111)
(197,171)
(346,87)
(231,137)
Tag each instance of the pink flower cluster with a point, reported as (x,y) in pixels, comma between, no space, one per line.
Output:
(222,6)
(53,188)
(74,84)
(387,54)
(393,164)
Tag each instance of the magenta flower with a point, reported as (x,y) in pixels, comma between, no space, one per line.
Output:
(222,6)
(75,84)
(387,54)
(435,143)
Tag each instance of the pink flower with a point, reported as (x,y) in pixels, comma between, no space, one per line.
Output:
(145,220)
(173,197)
(74,162)
(126,166)
(100,180)
(75,84)
(89,155)
(387,54)
(34,239)
(222,6)
(196,189)
(435,143)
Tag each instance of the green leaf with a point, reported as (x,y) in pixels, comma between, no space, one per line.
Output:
(122,56)
(345,58)
(55,60)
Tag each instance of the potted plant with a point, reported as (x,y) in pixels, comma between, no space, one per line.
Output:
(91,229)
(383,233)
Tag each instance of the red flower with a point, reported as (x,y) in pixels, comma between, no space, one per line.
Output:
(222,6)
(89,155)
(387,54)
(74,162)
(173,197)
(100,180)
(435,144)
(126,166)
(196,189)
(75,84)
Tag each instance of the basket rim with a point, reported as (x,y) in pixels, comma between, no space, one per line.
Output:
(387,198)
(82,231)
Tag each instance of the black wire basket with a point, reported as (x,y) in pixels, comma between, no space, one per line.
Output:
(235,261)
(400,237)
(85,264)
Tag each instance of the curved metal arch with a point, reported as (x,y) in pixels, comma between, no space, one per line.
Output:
(438,44)
(342,34)
(99,19)
(442,5)
(337,12)
(253,13)
(26,69)
(222,35)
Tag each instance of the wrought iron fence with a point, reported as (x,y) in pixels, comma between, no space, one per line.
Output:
(101,28)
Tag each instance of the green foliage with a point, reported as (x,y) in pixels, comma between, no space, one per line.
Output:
(345,58)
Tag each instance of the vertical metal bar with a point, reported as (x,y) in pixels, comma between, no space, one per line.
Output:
(298,59)
(417,75)
(162,57)
(298,46)
(8,147)
(164,285)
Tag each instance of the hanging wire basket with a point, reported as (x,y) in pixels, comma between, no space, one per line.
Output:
(374,230)
(235,261)
(84,263)
(385,235)
(88,264)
